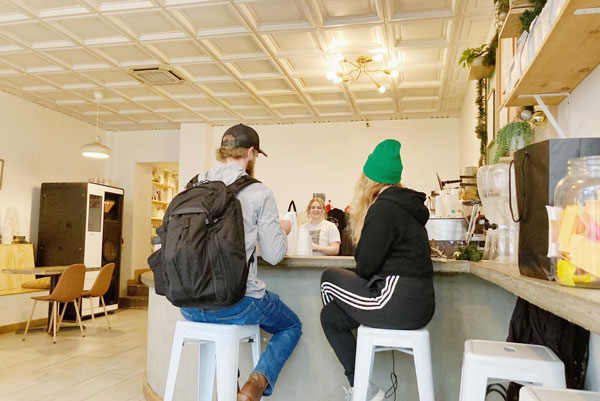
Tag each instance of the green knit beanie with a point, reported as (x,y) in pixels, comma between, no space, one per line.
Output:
(384,164)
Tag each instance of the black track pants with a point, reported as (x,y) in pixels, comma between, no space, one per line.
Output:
(392,302)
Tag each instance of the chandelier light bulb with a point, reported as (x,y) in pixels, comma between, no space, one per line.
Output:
(338,57)
(381,88)
(394,73)
(337,80)
(378,57)
(330,75)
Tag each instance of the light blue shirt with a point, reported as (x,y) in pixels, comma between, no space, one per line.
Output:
(261,222)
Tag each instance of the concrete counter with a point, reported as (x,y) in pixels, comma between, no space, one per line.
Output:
(473,300)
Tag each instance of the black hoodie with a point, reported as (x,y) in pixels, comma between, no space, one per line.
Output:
(394,240)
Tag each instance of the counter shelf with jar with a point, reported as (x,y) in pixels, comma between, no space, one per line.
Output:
(575,228)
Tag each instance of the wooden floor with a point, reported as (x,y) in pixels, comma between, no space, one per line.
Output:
(108,365)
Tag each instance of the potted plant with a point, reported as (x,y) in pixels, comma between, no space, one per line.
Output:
(480,59)
(512,136)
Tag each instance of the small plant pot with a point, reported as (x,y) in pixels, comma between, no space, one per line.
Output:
(478,70)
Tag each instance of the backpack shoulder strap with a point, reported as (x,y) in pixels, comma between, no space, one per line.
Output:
(192,183)
(241,183)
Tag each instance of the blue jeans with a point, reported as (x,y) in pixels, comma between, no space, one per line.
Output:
(272,315)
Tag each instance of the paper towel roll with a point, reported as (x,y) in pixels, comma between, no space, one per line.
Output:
(304,243)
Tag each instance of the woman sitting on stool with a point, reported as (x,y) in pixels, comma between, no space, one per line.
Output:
(393,284)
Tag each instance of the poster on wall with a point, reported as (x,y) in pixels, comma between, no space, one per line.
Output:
(503,117)
(491,116)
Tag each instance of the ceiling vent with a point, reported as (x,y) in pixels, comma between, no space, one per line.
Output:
(156,76)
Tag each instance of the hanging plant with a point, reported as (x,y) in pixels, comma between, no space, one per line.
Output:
(529,15)
(515,135)
(486,51)
(502,7)
(481,126)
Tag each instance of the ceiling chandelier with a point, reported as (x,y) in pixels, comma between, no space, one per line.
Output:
(345,70)
(96,149)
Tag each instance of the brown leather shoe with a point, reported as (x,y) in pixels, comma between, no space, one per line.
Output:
(254,388)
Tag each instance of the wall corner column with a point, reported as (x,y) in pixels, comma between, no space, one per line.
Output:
(195,150)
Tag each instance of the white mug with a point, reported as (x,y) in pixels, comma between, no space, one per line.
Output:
(304,243)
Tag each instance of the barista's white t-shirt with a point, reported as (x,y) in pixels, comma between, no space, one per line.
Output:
(325,233)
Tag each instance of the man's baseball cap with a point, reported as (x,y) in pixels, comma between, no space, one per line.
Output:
(241,136)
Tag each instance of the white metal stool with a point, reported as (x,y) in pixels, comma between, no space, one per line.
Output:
(219,345)
(535,393)
(414,342)
(502,361)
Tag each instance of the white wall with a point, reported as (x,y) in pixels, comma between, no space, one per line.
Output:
(584,108)
(129,149)
(328,157)
(468,142)
(38,145)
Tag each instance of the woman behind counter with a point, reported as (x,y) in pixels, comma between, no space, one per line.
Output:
(325,236)
(393,284)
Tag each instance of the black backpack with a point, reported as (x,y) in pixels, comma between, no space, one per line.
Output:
(202,259)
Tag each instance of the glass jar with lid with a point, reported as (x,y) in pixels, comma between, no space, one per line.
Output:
(578,236)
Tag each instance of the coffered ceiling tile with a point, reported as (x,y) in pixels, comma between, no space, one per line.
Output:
(183,116)
(456,90)
(129,55)
(293,112)
(268,15)
(371,96)
(317,83)
(55,8)
(327,98)
(218,115)
(134,92)
(420,9)
(35,35)
(206,72)
(429,93)
(419,106)
(376,108)
(480,6)
(421,76)
(353,39)
(422,57)
(305,65)
(434,32)
(201,104)
(476,28)
(330,111)
(248,69)
(255,114)
(225,89)
(30,62)
(343,12)
(236,47)
(185,90)
(180,51)
(91,30)
(240,102)
(452,105)
(150,25)
(78,59)
(212,19)
(64,80)
(283,100)
(291,43)
(270,86)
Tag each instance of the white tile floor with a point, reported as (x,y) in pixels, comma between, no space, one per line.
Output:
(107,365)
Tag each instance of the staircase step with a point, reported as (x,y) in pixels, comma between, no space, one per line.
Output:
(137,290)
(133,302)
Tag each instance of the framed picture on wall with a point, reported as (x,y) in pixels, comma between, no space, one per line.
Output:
(1,171)
(491,116)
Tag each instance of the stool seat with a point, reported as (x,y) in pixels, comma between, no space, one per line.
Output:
(534,393)
(502,361)
(414,342)
(219,349)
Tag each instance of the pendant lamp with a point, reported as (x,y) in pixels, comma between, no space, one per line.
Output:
(96,149)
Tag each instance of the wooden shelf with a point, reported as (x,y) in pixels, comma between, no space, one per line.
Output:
(160,203)
(568,54)
(512,25)
(160,185)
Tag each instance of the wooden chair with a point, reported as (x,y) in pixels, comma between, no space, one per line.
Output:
(68,289)
(99,288)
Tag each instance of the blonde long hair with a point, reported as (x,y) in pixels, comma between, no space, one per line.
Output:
(365,194)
